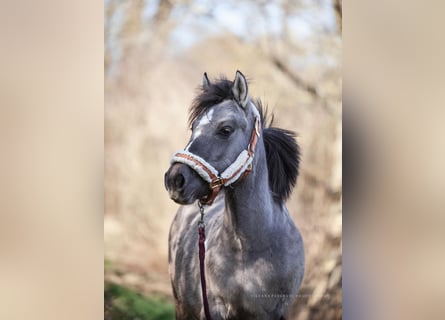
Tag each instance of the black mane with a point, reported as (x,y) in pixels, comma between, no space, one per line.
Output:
(282,155)
(282,150)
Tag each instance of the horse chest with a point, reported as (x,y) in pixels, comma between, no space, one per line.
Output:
(249,293)
(241,278)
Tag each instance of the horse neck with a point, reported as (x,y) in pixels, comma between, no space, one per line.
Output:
(249,204)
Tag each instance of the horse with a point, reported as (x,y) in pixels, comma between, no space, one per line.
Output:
(237,170)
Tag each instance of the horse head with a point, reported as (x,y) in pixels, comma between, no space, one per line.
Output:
(225,128)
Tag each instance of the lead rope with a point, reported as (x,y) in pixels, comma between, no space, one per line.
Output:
(202,238)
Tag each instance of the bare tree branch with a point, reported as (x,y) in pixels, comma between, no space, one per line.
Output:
(295,79)
(338,12)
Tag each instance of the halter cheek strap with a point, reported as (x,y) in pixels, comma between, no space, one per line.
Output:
(239,169)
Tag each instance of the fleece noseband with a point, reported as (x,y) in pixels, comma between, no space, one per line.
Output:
(239,169)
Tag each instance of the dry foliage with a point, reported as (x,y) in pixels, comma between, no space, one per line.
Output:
(146,121)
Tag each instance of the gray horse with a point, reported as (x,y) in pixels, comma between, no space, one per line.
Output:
(254,262)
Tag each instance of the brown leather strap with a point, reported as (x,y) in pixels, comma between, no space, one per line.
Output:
(197,162)
(254,136)
(208,200)
(201,249)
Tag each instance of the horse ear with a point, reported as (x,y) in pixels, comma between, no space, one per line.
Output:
(239,89)
(205,81)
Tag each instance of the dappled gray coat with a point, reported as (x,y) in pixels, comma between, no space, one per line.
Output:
(254,261)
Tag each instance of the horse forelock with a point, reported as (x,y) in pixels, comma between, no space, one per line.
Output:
(209,96)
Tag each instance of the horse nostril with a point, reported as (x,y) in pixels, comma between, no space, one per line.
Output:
(179,181)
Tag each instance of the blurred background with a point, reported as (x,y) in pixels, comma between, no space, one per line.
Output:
(155,55)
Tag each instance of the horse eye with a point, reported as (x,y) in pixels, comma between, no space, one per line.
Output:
(225,131)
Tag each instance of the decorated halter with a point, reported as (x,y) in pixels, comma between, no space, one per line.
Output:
(239,169)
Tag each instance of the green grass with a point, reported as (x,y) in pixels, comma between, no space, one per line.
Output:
(124,304)
(108,265)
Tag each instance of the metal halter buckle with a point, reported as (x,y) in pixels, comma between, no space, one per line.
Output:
(218,182)
(201,211)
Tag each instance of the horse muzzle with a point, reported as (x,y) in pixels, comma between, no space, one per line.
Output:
(184,185)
